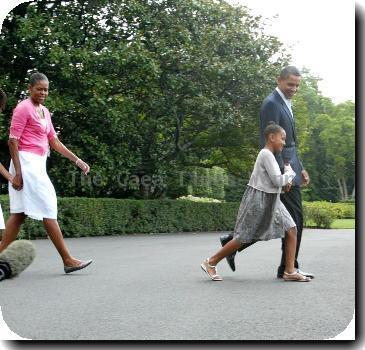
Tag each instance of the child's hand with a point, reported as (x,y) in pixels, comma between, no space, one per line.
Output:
(287,168)
(287,187)
(10,178)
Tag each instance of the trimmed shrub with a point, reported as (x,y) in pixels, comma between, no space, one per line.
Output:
(324,213)
(204,182)
(80,217)
(344,210)
(200,199)
(322,217)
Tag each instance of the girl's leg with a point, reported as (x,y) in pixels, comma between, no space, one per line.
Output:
(290,248)
(231,247)
(12,228)
(291,273)
(55,234)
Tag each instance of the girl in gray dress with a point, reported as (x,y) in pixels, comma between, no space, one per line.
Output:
(262,216)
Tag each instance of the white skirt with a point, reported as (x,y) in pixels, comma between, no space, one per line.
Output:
(38,198)
(2,222)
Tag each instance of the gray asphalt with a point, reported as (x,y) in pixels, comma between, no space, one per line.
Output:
(151,287)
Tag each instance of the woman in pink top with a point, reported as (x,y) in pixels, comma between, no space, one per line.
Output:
(32,193)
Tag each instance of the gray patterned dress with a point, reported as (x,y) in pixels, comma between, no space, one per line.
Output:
(262,215)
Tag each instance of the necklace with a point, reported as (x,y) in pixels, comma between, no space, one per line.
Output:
(40,112)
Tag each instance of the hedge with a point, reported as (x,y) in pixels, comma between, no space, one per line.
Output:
(103,216)
(324,213)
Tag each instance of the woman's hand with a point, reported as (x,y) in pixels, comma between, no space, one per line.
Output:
(17,182)
(59,147)
(83,166)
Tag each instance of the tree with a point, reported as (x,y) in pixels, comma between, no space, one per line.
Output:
(339,140)
(142,89)
(330,163)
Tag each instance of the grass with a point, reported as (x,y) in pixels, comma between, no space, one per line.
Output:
(343,223)
(338,223)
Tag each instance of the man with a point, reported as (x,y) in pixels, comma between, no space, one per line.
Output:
(277,107)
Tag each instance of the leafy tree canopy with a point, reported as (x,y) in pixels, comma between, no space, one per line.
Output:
(142,88)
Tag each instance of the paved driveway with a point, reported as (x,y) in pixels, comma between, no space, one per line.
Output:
(151,287)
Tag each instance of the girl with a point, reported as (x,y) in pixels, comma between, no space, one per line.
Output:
(3,171)
(32,193)
(262,216)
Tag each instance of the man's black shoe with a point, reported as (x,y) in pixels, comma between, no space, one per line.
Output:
(280,272)
(230,258)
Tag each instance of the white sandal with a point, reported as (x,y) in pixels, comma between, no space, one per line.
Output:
(204,265)
(289,277)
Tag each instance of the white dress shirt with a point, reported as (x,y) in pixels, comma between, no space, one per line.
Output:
(286,100)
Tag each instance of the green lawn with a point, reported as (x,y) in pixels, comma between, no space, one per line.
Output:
(339,223)
(343,223)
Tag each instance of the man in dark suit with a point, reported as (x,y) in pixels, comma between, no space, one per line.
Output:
(277,107)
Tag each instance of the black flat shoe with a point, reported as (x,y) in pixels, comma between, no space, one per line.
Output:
(230,258)
(280,272)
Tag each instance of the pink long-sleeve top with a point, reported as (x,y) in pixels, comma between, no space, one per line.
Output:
(27,128)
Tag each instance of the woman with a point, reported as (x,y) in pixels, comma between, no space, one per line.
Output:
(32,193)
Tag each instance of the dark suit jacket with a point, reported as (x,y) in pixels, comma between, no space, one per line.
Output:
(273,108)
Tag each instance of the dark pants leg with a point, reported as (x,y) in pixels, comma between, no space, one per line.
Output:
(246,245)
(243,246)
(293,203)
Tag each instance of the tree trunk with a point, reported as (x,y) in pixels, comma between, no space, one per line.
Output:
(340,188)
(345,189)
(353,193)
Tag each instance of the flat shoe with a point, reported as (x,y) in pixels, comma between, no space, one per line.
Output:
(295,277)
(82,265)
(204,265)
